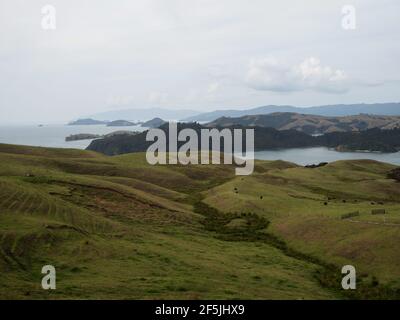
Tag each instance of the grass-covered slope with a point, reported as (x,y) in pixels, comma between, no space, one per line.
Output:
(308,208)
(116,227)
(309,123)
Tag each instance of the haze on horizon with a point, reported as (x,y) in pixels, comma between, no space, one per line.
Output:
(201,55)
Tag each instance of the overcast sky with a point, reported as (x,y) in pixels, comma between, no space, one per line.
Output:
(187,54)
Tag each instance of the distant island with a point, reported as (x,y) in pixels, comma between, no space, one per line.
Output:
(115,123)
(374,140)
(85,122)
(89,136)
(120,123)
(143,114)
(154,123)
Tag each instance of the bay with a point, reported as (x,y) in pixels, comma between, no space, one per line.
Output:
(305,156)
(54,136)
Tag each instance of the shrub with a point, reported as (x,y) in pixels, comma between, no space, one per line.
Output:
(378,211)
(394,174)
(350,215)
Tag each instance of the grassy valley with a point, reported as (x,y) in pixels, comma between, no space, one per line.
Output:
(116,227)
(306,208)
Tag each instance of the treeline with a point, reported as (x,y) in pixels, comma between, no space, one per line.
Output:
(371,140)
(394,174)
(267,139)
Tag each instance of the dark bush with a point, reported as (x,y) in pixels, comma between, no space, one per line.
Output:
(350,215)
(394,174)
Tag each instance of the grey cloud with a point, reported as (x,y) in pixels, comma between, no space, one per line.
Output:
(183,54)
(271,75)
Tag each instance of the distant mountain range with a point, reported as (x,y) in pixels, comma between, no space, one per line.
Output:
(186,115)
(310,124)
(143,114)
(328,110)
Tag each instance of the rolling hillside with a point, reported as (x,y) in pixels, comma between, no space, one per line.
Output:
(311,124)
(116,227)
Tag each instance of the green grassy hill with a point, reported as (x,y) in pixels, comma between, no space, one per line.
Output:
(305,207)
(116,227)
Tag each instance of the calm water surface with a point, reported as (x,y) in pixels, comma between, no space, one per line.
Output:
(54,135)
(304,156)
